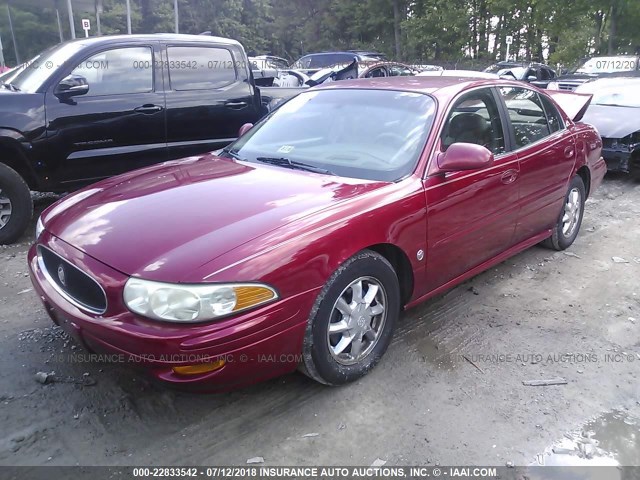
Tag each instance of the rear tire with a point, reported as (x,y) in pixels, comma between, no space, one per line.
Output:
(352,321)
(566,229)
(16,206)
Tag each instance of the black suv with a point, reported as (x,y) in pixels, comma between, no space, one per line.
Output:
(96,107)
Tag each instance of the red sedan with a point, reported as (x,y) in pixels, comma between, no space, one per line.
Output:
(299,244)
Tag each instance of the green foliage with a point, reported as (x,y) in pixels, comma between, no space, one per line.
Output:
(427,30)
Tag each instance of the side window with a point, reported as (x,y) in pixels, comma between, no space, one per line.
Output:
(200,68)
(376,72)
(475,119)
(399,71)
(118,71)
(553,116)
(526,114)
(532,72)
(545,74)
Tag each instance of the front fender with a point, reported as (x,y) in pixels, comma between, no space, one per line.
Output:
(303,255)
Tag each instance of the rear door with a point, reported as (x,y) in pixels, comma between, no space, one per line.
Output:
(119,125)
(209,97)
(472,214)
(546,150)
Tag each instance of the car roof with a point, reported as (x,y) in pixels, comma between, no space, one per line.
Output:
(152,37)
(437,86)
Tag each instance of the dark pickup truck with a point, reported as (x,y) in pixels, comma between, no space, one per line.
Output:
(96,107)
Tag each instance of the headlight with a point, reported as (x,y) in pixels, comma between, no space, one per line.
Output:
(39,228)
(553,86)
(193,303)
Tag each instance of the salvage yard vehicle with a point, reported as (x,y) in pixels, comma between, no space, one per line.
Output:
(299,244)
(596,67)
(615,112)
(314,62)
(534,73)
(96,107)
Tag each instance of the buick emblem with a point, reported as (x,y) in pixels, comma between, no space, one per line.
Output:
(62,276)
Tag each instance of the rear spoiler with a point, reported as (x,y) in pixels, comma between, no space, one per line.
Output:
(573,104)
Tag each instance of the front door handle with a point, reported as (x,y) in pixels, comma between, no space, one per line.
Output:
(236,105)
(509,176)
(148,109)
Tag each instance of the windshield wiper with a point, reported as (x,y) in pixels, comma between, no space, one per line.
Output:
(287,163)
(232,153)
(10,86)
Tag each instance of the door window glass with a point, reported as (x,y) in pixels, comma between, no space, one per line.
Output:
(200,68)
(527,115)
(118,71)
(475,119)
(553,116)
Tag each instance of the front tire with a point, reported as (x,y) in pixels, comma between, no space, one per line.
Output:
(16,206)
(566,229)
(352,320)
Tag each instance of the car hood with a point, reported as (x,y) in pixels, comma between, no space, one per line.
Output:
(613,121)
(165,221)
(21,111)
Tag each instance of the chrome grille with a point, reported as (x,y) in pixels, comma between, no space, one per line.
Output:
(72,283)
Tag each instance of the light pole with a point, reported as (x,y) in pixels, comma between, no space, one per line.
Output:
(71,25)
(175,9)
(129,17)
(13,36)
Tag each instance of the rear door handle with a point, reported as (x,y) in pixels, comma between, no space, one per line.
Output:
(569,152)
(236,105)
(509,176)
(148,109)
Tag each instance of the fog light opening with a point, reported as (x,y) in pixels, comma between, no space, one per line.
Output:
(199,368)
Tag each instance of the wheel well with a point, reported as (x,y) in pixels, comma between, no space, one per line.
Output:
(401,264)
(585,175)
(11,157)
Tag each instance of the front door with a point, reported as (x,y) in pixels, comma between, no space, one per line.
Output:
(209,97)
(119,125)
(472,214)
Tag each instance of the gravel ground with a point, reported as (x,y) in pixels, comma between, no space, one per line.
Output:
(449,391)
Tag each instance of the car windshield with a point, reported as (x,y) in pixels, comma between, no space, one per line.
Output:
(366,134)
(32,74)
(608,65)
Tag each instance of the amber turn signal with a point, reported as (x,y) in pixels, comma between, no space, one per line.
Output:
(199,368)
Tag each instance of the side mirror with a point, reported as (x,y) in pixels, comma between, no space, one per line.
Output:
(244,129)
(464,156)
(72,86)
(532,78)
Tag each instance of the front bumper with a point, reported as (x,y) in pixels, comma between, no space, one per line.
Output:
(261,344)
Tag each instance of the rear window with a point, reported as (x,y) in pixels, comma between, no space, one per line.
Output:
(200,68)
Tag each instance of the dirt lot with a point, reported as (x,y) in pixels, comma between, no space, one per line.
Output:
(449,391)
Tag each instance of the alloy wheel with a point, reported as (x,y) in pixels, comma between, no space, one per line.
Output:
(572,211)
(357,320)
(5,210)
